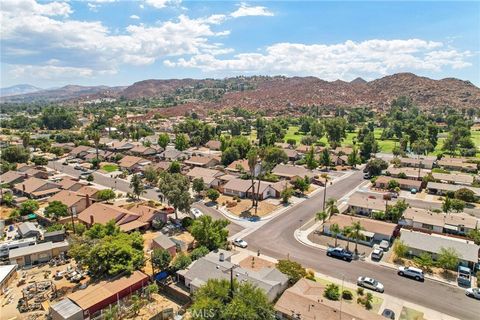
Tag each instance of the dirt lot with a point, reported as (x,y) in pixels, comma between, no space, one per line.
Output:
(158,303)
(255,263)
(37,274)
(243,208)
(5,212)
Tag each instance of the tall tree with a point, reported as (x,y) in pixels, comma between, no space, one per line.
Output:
(210,233)
(310,159)
(163,140)
(137,185)
(357,229)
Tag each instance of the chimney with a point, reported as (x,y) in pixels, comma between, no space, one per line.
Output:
(87,197)
(91,220)
(221,257)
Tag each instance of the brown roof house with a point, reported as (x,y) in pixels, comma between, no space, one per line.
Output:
(210,177)
(460,164)
(12,177)
(405,184)
(213,145)
(133,163)
(80,151)
(243,189)
(362,204)
(72,184)
(432,222)
(305,300)
(204,162)
(75,202)
(143,151)
(103,213)
(162,241)
(35,188)
(375,230)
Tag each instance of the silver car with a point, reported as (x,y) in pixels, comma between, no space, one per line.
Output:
(370,283)
(240,243)
(473,292)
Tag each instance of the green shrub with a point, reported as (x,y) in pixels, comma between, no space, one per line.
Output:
(347,295)
(332,292)
(360,291)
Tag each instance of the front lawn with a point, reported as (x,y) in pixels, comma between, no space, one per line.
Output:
(410,314)
(110,168)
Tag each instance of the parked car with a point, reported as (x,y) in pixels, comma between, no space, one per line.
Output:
(367,176)
(370,283)
(473,292)
(389,314)
(240,243)
(411,272)
(340,253)
(195,213)
(377,254)
(78,167)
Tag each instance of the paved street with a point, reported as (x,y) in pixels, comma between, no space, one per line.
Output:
(276,239)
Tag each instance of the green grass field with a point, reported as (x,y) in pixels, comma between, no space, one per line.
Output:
(385,145)
(110,167)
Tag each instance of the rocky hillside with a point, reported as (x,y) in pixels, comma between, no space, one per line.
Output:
(280,94)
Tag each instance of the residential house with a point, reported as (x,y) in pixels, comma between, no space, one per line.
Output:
(8,273)
(454,178)
(405,184)
(362,204)
(162,241)
(433,222)
(88,303)
(210,176)
(161,165)
(305,300)
(89,191)
(12,177)
(213,145)
(38,253)
(72,184)
(240,165)
(216,265)
(80,151)
(290,172)
(133,163)
(35,188)
(420,242)
(149,214)
(375,230)
(28,230)
(119,146)
(173,155)
(292,155)
(425,163)
(408,172)
(459,164)
(204,162)
(243,189)
(102,213)
(75,202)
(37,173)
(143,151)
(339,151)
(444,188)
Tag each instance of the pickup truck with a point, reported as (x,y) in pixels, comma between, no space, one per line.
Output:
(340,253)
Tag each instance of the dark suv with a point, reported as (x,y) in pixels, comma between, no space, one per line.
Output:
(340,253)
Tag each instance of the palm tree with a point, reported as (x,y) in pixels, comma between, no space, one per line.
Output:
(335,230)
(347,233)
(321,215)
(357,233)
(95,136)
(325,176)
(332,206)
(252,163)
(111,314)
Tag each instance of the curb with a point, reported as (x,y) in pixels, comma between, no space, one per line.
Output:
(308,243)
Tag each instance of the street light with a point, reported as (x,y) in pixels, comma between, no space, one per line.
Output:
(230,293)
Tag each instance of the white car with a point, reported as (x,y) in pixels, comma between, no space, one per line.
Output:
(195,213)
(370,283)
(377,254)
(411,272)
(240,243)
(473,292)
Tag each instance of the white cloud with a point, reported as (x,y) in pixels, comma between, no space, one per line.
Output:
(93,7)
(90,45)
(337,61)
(160,4)
(32,7)
(134,16)
(245,10)
(49,72)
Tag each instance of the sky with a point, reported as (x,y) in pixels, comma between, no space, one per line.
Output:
(116,42)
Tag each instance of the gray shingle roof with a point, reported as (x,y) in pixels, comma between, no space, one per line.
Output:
(433,244)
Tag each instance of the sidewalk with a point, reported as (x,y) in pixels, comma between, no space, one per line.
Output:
(302,237)
(389,302)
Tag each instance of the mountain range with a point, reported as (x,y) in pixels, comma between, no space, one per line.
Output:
(277,94)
